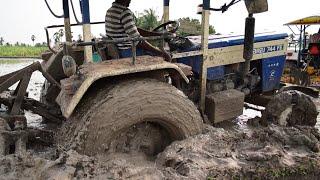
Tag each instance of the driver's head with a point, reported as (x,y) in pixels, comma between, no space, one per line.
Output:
(125,3)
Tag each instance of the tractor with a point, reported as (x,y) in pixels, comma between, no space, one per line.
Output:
(303,59)
(103,103)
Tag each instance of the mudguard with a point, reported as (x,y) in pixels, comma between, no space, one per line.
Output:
(92,72)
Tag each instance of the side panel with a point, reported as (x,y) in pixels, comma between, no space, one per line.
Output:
(212,73)
(218,57)
(272,69)
(233,54)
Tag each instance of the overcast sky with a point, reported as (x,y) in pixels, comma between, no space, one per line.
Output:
(19,19)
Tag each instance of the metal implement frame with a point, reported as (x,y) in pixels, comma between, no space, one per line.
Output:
(16,100)
(204,46)
(132,40)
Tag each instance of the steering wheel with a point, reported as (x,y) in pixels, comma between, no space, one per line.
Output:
(168,27)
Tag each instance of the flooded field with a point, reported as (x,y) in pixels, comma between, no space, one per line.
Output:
(34,88)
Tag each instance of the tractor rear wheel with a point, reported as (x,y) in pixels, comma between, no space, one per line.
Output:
(291,108)
(143,115)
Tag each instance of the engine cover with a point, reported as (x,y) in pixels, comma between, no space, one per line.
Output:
(224,105)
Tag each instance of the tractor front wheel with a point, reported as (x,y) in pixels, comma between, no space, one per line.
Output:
(291,108)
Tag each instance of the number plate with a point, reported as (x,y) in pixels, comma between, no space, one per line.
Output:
(268,49)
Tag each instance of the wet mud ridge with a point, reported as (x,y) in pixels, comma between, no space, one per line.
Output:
(260,153)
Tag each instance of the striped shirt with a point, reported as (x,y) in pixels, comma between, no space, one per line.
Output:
(120,24)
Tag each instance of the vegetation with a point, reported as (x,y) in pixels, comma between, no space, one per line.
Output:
(21,51)
(33,38)
(149,20)
(191,27)
(57,36)
(1,41)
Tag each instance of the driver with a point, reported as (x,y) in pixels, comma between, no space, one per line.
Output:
(315,38)
(120,24)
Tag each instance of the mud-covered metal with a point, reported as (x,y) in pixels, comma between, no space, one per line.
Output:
(16,100)
(256,6)
(204,49)
(224,105)
(248,43)
(67,26)
(95,71)
(166,10)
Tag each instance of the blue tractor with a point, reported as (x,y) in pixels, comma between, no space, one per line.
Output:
(144,102)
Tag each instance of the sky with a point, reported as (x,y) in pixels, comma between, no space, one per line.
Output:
(19,19)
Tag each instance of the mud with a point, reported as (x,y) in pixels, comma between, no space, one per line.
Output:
(280,110)
(241,151)
(261,153)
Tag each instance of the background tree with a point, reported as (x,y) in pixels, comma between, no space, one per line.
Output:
(79,38)
(1,41)
(33,38)
(148,20)
(190,26)
(57,36)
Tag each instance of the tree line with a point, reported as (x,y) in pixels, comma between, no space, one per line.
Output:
(147,20)
(20,44)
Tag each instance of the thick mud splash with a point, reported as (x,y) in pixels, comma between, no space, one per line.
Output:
(262,152)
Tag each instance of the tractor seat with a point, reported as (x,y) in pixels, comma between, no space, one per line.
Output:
(314,49)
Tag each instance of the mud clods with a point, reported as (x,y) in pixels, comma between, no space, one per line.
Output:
(269,152)
(265,152)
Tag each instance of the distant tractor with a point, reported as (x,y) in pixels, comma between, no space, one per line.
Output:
(303,59)
(144,103)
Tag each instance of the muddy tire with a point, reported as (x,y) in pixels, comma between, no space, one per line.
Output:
(132,115)
(291,108)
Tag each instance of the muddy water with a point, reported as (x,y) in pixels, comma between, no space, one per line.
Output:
(34,88)
(36,82)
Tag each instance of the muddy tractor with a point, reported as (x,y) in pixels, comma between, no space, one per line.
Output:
(103,103)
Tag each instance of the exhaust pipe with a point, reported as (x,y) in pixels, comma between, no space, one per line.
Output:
(248,44)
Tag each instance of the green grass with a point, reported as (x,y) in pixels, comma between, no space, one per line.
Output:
(21,51)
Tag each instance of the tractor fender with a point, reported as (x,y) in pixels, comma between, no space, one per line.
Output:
(92,72)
